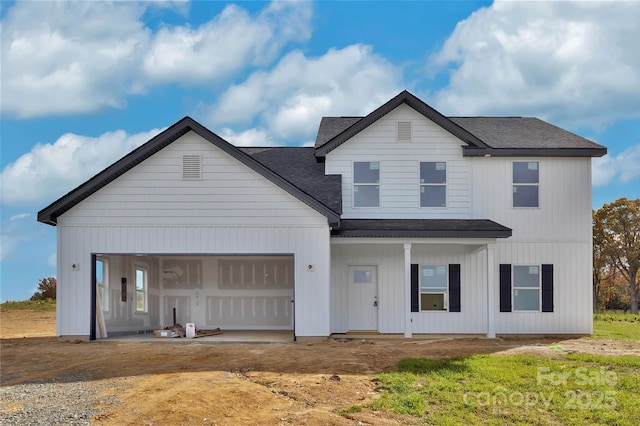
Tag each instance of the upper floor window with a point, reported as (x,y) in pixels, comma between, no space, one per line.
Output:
(433,184)
(366,184)
(141,290)
(526,181)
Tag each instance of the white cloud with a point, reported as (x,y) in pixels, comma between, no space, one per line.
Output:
(19,216)
(290,99)
(227,43)
(565,61)
(51,170)
(69,57)
(77,57)
(250,137)
(624,166)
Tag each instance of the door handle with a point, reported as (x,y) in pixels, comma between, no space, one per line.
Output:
(375,303)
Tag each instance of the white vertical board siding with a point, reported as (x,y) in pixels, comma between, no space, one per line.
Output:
(389,259)
(558,232)
(572,291)
(400,167)
(232,210)
(564,211)
(309,245)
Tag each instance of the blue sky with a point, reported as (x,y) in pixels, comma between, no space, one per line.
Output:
(83,83)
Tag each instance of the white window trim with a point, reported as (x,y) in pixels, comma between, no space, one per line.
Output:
(145,289)
(513,184)
(434,290)
(354,184)
(514,288)
(446,186)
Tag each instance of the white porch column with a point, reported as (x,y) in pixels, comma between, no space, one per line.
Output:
(407,290)
(491,290)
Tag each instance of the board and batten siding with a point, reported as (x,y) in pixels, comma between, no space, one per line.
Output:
(400,168)
(557,232)
(564,212)
(389,260)
(572,291)
(232,210)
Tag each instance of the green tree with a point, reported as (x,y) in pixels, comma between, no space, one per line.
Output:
(616,241)
(46,289)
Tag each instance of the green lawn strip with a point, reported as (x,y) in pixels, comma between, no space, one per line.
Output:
(520,389)
(612,329)
(48,305)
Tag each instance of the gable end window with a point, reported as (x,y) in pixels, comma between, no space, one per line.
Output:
(526,288)
(191,167)
(433,184)
(404,131)
(526,182)
(366,184)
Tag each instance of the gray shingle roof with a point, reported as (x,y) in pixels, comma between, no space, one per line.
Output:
(496,136)
(332,126)
(420,228)
(522,133)
(298,165)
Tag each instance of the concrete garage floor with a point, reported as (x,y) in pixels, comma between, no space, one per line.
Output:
(231,336)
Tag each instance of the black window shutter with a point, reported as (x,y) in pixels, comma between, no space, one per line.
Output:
(547,288)
(505,288)
(454,287)
(415,288)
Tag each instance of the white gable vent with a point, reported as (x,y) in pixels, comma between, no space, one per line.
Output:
(191,167)
(404,131)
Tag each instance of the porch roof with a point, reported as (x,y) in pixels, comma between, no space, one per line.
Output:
(420,228)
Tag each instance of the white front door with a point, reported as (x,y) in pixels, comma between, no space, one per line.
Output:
(363,298)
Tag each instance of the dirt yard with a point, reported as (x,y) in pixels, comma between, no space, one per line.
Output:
(235,384)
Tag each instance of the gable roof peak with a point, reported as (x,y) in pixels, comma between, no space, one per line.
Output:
(50,213)
(323,147)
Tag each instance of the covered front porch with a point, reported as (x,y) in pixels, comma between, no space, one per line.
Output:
(415,277)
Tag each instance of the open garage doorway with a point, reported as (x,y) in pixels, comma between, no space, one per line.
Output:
(142,293)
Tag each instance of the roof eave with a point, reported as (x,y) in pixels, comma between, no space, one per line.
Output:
(420,234)
(533,152)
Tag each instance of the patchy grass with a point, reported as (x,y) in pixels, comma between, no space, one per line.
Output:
(520,389)
(616,325)
(47,305)
(616,316)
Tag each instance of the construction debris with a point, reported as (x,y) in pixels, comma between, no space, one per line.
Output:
(179,331)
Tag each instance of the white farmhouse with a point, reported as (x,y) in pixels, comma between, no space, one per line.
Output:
(401,222)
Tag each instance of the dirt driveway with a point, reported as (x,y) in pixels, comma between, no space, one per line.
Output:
(236,384)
